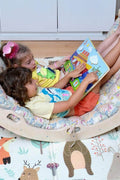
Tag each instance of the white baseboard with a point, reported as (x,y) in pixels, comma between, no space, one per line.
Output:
(53,36)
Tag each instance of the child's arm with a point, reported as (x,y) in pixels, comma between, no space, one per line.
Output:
(59,63)
(73,74)
(76,97)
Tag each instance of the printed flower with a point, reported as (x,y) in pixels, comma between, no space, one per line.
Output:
(53,167)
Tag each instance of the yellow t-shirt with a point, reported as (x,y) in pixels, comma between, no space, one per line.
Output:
(40,106)
(46,82)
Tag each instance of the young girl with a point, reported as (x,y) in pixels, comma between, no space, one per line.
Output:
(54,102)
(18,55)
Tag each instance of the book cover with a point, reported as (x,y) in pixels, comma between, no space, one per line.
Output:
(86,53)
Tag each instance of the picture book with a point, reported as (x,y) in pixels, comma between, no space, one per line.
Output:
(86,53)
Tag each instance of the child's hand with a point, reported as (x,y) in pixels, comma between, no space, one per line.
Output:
(65,59)
(92,77)
(62,61)
(77,72)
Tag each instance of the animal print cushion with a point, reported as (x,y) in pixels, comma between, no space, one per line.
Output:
(108,104)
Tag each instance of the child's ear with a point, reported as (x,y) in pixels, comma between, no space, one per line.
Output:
(15,65)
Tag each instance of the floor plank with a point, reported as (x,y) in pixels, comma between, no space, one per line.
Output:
(53,48)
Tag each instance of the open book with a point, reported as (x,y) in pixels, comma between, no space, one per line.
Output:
(86,53)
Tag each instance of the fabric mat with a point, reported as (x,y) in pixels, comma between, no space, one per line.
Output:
(90,159)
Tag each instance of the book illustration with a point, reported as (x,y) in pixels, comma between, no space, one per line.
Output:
(87,54)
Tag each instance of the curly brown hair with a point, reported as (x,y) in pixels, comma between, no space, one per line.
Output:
(23,51)
(13,81)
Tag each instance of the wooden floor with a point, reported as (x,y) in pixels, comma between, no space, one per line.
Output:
(53,48)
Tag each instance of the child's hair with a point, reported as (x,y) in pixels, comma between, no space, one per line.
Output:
(13,53)
(13,82)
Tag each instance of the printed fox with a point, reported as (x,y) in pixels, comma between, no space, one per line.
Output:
(4,150)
